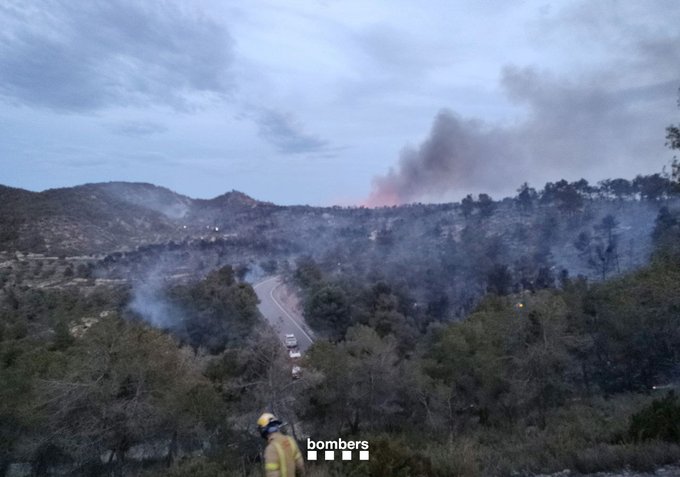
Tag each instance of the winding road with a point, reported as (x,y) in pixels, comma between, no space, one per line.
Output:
(280,315)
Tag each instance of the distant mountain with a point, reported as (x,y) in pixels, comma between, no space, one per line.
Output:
(95,218)
(231,200)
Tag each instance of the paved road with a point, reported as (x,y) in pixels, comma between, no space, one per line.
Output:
(283,319)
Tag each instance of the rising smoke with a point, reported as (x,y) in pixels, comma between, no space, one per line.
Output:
(458,153)
(150,286)
(150,303)
(570,131)
(608,122)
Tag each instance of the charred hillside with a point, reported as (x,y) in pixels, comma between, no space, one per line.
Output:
(446,255)
(165,336)
(101,218)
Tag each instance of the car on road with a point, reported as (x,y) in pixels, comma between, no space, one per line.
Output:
(291,341)
(296,372)
(294,353)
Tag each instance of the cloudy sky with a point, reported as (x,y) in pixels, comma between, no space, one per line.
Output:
(335,101)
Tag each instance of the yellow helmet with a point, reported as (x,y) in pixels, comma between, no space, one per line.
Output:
(268,423)
(265,419)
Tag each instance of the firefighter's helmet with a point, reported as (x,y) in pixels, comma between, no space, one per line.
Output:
(268,423)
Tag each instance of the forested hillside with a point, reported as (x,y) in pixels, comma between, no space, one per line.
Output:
(535,381)
(89,387)
(447,255)
(526,335)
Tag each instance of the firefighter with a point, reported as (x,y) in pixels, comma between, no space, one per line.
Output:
(282,457)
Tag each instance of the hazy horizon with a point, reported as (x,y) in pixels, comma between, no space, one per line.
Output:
(328,102)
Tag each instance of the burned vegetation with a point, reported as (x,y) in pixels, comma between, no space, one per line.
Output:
(498,335)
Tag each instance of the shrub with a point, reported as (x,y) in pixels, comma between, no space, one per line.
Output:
(660,420)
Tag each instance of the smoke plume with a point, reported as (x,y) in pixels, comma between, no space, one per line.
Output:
(457,154)
(596,122)
(149,294)
(570,131)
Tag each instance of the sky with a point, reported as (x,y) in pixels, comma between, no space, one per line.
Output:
(336,102)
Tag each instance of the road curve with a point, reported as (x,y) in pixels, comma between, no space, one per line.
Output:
(283,319)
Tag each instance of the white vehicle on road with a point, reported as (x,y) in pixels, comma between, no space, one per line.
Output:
(294,353)
(296,372)
(291,341)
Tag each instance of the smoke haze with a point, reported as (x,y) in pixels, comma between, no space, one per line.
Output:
(150,304)
(606,121)
(149,294)
(570,131)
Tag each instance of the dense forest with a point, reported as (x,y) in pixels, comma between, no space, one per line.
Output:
(92,396)
(549,379)
(569,374)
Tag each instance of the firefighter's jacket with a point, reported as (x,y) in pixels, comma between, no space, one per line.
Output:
(282,457)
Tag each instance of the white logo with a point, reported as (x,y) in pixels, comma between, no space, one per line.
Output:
(326,449)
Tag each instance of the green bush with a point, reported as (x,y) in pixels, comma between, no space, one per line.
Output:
(389,457)
(660,420)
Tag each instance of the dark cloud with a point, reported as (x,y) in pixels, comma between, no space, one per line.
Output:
(606,122)
(137,128)
(287,135)
(83,56)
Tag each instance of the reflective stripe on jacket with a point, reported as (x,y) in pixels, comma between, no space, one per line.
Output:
(282,457)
